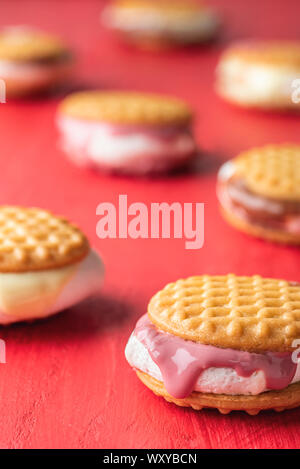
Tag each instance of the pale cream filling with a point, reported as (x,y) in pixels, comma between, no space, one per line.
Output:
(31,293)
(33,74)
(97,141)
(252,83)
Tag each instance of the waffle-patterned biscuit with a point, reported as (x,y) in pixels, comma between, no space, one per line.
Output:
(126,108)
(271,171)
(160,25)
(287,398)
(245,313)
(166,7)
(266,52)
(33,239)
(23,44)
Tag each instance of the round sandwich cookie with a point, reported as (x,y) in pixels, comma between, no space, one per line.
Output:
(32,61)
(259,192)
(259,73)
(152,24)
(126,132)
(224,342)
(46,264)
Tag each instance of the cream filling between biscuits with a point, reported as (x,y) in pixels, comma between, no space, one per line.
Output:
(32,74)
(247,205)
(185,27)
(255,83)
(212,380)
(98,143)
(31,295)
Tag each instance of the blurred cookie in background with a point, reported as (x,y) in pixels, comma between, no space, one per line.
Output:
(46,264)
(152,24)
(128,132)
(259,192)
(31,61)
(259,74)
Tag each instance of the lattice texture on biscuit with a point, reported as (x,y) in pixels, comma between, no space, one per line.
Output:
(21,44)
(246,313)
(272,171)
(164,7)
(126,108)
(34,239)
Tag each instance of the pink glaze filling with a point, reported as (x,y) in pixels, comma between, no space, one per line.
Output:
(181,362)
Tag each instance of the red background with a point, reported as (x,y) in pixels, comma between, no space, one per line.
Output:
(66,382)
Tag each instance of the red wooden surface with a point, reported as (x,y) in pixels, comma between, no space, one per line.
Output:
(66,382)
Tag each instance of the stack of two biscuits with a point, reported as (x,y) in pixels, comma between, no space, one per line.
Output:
(46,264)
(32,62)
(230,342)
(154,25)
(222,342)
(126,132)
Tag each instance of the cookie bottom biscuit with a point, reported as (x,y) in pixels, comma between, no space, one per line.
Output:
(287,398)
(140,166)
(258,231)
(160,25)
(30,79)
(148,43)
(158,42)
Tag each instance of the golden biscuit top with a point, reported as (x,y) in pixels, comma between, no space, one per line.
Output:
(271,171)
(244,313)
(265,52)
(120,107)
(33,239)
(24,44)
(165,7)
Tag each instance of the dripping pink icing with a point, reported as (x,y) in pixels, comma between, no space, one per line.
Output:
(181,362)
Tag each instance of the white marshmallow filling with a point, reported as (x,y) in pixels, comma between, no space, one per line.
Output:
(212,380)
(30,295)
(100,144)
(250,83)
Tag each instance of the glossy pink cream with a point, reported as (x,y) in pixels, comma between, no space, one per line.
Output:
(181,362)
